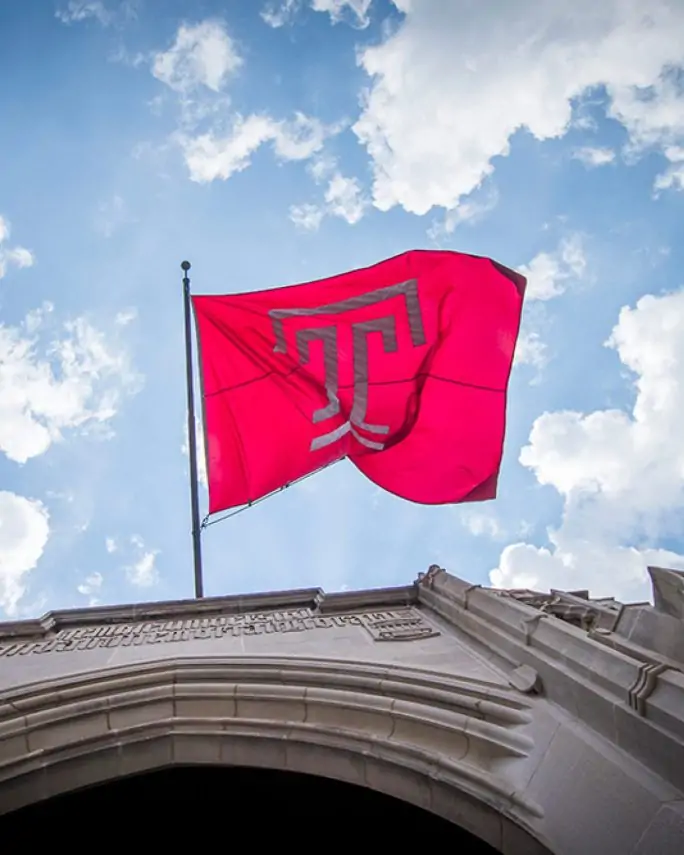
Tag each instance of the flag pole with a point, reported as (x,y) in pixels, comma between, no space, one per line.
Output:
(192,437)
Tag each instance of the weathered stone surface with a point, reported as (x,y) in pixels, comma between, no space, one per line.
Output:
(525,718)
(668,591)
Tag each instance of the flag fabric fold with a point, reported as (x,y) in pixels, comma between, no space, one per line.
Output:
(401,367)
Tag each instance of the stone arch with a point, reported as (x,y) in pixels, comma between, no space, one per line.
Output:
(438,742)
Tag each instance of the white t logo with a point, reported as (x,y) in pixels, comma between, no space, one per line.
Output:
(385,325)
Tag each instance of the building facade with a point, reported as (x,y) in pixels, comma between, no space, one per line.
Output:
(538,723)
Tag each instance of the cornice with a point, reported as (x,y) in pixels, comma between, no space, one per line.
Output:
(311,598)
(633,697)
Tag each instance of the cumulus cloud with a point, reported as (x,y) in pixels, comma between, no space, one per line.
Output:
(210,156)
(90,587)
(481,523)
(673,176)
(73,381)
(12,256)
(343,197)
(142,570)
(203,55)
(620,472)
(470,210)
(125,316)
(139,561)
(530,350)
(307,216)
(449,89)
(354,11)
(278,14)
(549,273)
(76,11)
(594,156)
(215,143)
(81,10)
(24,531)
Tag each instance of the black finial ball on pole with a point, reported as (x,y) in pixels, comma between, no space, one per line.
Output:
(185,265)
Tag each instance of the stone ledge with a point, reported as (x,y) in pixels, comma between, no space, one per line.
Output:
(313,598)
(590,679)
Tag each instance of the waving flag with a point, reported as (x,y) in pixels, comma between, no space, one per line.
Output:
(402,367)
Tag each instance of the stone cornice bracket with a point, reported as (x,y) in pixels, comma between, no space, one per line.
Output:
(526,680)
(466,594)
(427,580)
(530,624)
(644,686)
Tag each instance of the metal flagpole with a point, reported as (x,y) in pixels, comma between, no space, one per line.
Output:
(192,437)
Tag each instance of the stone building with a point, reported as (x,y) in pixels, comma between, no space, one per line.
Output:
(508,720)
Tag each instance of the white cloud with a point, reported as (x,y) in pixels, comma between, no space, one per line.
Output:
(620,473)
(594,156)
(110,545)
(24,531)
(210,156)
(76,11)
(471,211)
(307,217)
(81,10)
(197,67)
(356,11)
(37,317)
(530,350)
(549,273)
(448,89)
(12,256)
(90,587)
(343,197)
(278,14)
(339,9)
(142,571)
(76,381)
(126,316)
(202,55)
(481,524)
(673,177)
(201,456)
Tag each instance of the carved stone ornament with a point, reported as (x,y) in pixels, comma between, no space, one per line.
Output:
(399,624)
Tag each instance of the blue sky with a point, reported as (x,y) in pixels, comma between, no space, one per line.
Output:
(274,143)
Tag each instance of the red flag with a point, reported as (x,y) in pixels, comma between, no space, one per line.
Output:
(402,367)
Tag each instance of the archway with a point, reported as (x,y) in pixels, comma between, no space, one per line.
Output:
(428,740)
(246,806)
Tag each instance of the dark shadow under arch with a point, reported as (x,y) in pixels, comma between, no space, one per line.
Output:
(232,807)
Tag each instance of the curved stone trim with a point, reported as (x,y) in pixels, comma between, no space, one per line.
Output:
(437,742)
